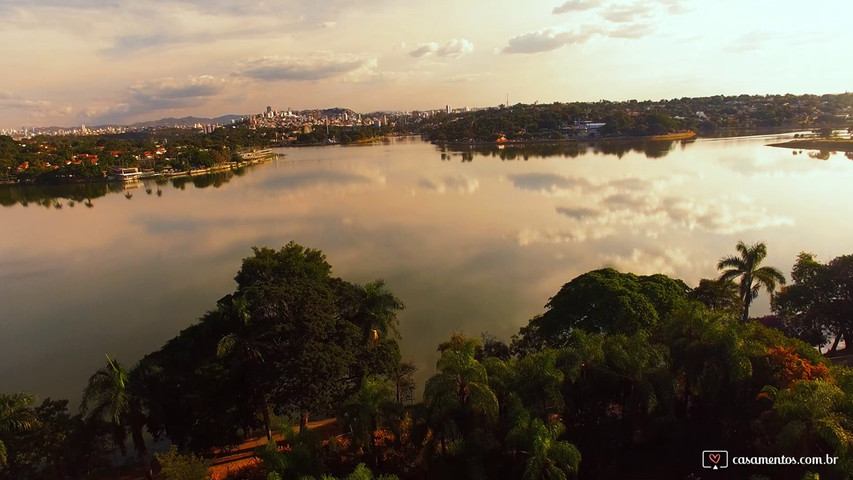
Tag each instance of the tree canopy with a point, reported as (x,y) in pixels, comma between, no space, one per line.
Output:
(818,306)
(603,301)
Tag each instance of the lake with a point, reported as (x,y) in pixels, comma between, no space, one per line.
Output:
(471,240)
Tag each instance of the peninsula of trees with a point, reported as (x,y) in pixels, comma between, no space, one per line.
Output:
(622,376)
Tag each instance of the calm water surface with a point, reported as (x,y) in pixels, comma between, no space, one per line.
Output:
(473,240)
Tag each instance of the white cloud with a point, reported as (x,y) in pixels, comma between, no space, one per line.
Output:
(456,48)
(424,49)
(318,67)
(647,261)
(576,6)
(544,40)
(627,13)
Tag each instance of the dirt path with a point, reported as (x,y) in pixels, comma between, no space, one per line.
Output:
(242,456)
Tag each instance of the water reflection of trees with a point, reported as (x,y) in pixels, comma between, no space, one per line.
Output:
(59,196)
(52,195)
(214,179)
(617,148)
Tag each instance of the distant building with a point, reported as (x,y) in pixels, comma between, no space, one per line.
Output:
(448,108)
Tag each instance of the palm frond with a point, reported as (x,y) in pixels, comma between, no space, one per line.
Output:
(226,345)
(483,399)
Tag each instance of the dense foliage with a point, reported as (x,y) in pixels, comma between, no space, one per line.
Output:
(633,118)
(818,306)
(623,376)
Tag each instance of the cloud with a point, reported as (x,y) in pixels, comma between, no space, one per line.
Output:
(543,40)
(557,185)
(637,30)
(646,261)
(548,183)
(158,95)
(169,90)
(327,24)
(576,6)
(34,108)
(627,13)
(424,49)
(460,184)
(276,68)
(578,213)
(456,48)
(466,77)
(314,179)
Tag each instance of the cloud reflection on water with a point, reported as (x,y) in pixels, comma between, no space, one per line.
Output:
(486,255)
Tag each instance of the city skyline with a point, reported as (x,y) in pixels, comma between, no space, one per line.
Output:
(78,62)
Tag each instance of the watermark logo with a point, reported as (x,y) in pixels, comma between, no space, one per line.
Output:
(715,459)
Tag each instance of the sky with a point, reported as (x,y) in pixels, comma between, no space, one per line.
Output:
(71,62)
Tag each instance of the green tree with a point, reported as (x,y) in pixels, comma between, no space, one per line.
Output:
(818,305)
(112,394)
(247,348)
(174,466)
(813,418)
(365,411)
(458,397)
(718,296)
(752,276)
(547,456)
(16,415)
(290,293)
(605,301)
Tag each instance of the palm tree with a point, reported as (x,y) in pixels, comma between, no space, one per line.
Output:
(365,411)
(246,347)
(547,456)
(813,417)
(752,277)
(377,311)
(459,393)
(110,394)
(16,415)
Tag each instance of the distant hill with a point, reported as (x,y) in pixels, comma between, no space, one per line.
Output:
(187,121)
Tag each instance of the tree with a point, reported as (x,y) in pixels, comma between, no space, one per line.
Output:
(175,466)
(718,296)
(752,277)
(365,411)
(818,305)
(112,394)
(813,418)
(458,397)
(247,348)
(16,415)
(605,301)
(547,457)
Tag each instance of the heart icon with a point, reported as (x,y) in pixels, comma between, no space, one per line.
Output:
(714,457)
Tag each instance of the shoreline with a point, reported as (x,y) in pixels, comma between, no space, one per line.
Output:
(154,176)
(664,137)
(835,145)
